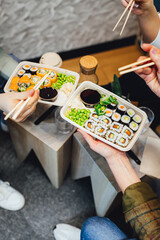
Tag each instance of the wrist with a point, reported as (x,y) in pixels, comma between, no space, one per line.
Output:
(116,157)
(147,13)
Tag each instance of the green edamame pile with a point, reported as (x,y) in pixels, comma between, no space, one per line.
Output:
(61,79)
(79,116)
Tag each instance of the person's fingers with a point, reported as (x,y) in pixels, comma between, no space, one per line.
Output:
(146,47)
(155,55)
(141,58)
(34,92)
(25,114)
(125,3)
(145,71)
(34,99)
(23,95)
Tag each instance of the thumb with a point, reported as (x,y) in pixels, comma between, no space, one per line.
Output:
(155,55)
(24,95)
(146,47)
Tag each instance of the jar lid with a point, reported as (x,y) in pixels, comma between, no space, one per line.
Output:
(52,59)
(88,62)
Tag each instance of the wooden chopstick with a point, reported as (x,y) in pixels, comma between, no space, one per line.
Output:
(130,10)
(136,68)
(13,109)
(130,3)
(25,102)
(135,63)
(123,14)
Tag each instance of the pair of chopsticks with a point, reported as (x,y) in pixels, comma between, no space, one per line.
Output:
(24,103)
(131,5)
(123,71)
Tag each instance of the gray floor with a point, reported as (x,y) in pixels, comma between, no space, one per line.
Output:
(45,206)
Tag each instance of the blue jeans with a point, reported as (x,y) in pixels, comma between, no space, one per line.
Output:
(97,228)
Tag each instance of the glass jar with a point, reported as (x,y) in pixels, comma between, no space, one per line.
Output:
(88,65)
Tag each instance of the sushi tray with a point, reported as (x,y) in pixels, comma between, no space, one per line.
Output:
(55,90)
(104,115)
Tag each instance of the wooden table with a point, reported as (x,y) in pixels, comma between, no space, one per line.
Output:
(86,162)
(51,148)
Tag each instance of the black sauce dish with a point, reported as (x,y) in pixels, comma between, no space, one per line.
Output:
(90,97)
(48,94)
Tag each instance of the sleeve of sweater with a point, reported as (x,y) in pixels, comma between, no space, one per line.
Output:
(142,210)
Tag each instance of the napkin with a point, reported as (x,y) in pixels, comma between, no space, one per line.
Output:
(150,164)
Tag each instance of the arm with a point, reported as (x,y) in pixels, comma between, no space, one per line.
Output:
(148,18)
(9,100)
(117,161)
(140,204)
(151,75)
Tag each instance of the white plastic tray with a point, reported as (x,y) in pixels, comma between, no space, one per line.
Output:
(62,98)
(86,85)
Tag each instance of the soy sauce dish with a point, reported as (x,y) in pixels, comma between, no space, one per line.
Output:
(48,94)
(90,97)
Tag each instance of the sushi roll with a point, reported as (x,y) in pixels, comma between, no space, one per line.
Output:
(25,80)
(116,127)
(46,83)
(26,68)
(53,76)
(23,83)
(137,118)
(106,121)
(134,126)
(121,109)
(111,136)
(112,106)
(21,72)
(108,112)
(35,79)
(127,132)
(27,74)
(94,116)
(130,112)
(125,119)
(14,84)
(90,125)
(33,70)
(100,131)
(116,117)
(41,72)
(122,140)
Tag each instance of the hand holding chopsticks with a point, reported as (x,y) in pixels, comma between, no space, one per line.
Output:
(131,5)
(21,104)
(123,70)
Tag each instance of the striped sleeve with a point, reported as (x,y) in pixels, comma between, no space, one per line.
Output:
(142,210)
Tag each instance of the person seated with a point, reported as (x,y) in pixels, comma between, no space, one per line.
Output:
(148,20)
(10,198)
(141,206)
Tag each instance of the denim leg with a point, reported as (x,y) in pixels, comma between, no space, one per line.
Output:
(98,228)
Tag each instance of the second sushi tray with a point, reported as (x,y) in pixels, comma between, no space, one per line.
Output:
(104,115)
(55,90)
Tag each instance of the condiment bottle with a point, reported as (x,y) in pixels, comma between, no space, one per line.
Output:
(88,65)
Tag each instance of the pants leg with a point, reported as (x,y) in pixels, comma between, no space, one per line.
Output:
(98,228)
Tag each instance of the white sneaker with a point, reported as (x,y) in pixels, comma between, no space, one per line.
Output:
(10,198)
(66,232)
